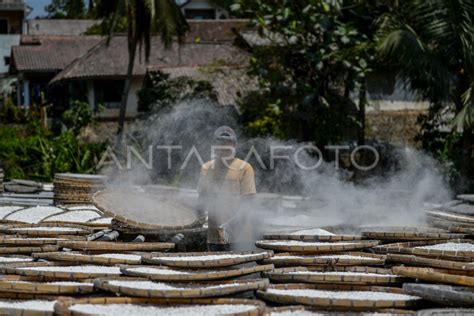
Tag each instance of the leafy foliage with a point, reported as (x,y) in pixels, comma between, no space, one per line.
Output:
(32,153)
(79,115)
(66,9)
(311,62)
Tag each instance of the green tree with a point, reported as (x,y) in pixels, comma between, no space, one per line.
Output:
(309,61)
(430,43)
(66,9)
(143,18)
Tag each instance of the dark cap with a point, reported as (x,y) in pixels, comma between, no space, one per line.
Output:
(224,134)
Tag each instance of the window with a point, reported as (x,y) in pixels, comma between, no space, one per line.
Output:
(108,93)
(7,60)
(3,26)
(200,14)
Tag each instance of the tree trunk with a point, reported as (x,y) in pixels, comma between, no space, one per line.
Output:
(362,104)
(126,89)
(466,181)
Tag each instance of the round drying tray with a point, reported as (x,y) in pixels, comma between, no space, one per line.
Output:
(28,305)
(157,306)
(205,259)
(405,247)
(451,217)
(27,250)
(115,246)
(58,288)
(371,298)
(446,311)
(126,228)
(407,235)
(150,211)
(181,275)
(71,272)
(108,259)
(352,275)
(461,248)
(5,259)
(303,237)
(314,247)
(445,295)
(412,260)
(466,197)
(6,268)
(180,290)
(46,230)
(337,259)
(80,177)
(75,217)
(9,240)
(434,275)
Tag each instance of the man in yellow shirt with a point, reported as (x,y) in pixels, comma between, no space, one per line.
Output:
(225,183)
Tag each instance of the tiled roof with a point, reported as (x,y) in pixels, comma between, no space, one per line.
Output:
(230,83)
(59,26)
(49,53)
(111,60)
(214,30)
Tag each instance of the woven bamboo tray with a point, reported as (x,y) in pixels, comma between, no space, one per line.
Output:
(126,228)
(46,230)
(335,303)
(170,214)
(192,275)
(434,275)
(451,217)
(63,305)
(293,310)
(27,250)
(183,290)
(18,241)
(63,272)
(445,253)
(5,259)
(308,237)
(62,288)
(314,247)
(410,235)
(78,217)
(115,246)
(102,259)
(429,262)
(443,294)
(14,307)
(446,311)
(213,260)
(338,259)
(406,247)
(79,177)
(353,275)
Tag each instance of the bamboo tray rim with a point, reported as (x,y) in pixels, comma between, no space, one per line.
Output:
(432,274)
(45,287)
(157,258)
(128,221)
(63,304)
(81,257)
(115,246)
(239,286)
(197,275)
(429,262)
(352,245)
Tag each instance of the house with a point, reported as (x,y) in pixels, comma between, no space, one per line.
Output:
(12,24)
(202,10)
(67,68)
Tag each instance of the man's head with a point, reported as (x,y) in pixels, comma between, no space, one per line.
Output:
(224,143)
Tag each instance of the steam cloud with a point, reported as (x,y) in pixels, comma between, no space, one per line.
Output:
(393,198)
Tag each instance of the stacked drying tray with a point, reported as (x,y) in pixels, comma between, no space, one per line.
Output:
(322,270)
(71,188)
(441,261)
(175,283)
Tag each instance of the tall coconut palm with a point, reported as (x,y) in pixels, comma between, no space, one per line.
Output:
(431,44)
(144,17)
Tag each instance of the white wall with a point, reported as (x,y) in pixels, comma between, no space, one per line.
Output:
(6,43)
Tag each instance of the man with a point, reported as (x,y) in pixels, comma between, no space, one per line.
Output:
(225,183)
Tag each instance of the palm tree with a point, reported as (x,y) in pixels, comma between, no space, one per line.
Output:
(144,17)
(431,45)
